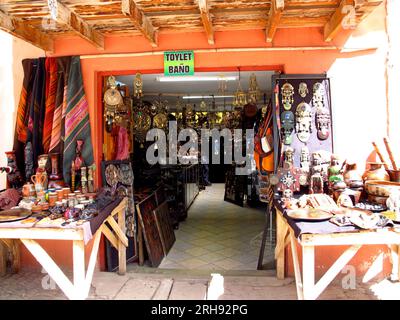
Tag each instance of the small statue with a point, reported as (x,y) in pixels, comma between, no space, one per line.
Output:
(84,180)
(305,159)
(335,174)
(288,155)
(73,175)
(78,162)
(90,179)
(316,180)
(287,92)
(28,158)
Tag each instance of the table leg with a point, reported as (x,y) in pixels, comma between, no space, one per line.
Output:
(281,235)
(395,251)
(16,264)
(308,272)
(78,248)
(3,259)
(121,247)
(297,273)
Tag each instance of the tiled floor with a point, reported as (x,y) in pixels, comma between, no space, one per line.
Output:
(218,235)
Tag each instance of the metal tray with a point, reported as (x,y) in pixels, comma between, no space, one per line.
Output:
(12,215)
(309,215)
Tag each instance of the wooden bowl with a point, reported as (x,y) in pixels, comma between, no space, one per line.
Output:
(394,175)
(381,188)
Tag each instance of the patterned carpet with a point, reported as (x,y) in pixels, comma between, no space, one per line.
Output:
(218,235)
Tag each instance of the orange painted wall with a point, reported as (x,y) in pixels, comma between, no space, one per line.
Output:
(353,106)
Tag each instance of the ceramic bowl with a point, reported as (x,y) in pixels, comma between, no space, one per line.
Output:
(381,188)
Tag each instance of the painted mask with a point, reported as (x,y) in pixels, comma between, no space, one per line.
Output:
(305,159)
(303,121)
(323,121)
(287,120)
(303,90)
(318,95)
(287,193)
(287,92)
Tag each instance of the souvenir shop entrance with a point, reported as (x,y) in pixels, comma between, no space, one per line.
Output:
(196,213)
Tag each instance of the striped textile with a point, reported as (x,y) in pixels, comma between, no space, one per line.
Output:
(51,90)
(20,133)
(77,124)
(37,109)
(57,132)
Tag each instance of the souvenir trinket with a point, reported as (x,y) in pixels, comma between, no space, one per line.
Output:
(91,178)
(28,158)
(83,180)
(38,181)
(323,122)
(303,121)
(138,86)
(14,177)
(375,172)
(141,123)
(352,177)
(393,202)
(287,92)
(316,179)
(287,121)
(41,170)
(335,174)
(112,175)
(288,156)
(318,95)
(254,90)
(28,190)
(112,100)
(303,90)
(305,159)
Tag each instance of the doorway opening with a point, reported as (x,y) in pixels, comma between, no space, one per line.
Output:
(217,217)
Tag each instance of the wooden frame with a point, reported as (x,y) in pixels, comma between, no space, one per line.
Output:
(131,207)
(306,286)
(150,231)
(82,278)
(164,226)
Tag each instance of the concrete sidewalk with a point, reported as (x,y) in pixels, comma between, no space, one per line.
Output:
(186,285)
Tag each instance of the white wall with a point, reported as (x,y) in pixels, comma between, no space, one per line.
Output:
(358,86)
(13,51)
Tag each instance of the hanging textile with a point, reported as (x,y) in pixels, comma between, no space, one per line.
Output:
(20,133)
(57,132)
(37,109)
(77,124)
(123,144)
(51,90)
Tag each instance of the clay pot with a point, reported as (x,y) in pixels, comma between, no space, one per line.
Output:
(376,172)
(380,188)
(394,175)
(28,190)
(351,173)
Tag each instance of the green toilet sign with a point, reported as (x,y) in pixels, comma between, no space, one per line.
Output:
(179,63)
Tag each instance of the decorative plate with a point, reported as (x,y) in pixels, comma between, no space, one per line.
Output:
(112,175)
(160,121)
(142,121)
(12,215)
(113,97)
(309,214)
(126,174)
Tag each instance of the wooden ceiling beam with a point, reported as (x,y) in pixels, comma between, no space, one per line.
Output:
(206,19)
(139,20)
(24,31)
(67,17)
(334,25)
(275,14)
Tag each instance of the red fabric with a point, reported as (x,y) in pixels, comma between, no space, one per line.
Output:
(51,90)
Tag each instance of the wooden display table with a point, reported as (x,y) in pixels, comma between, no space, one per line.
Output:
(305,280)
(82,277)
